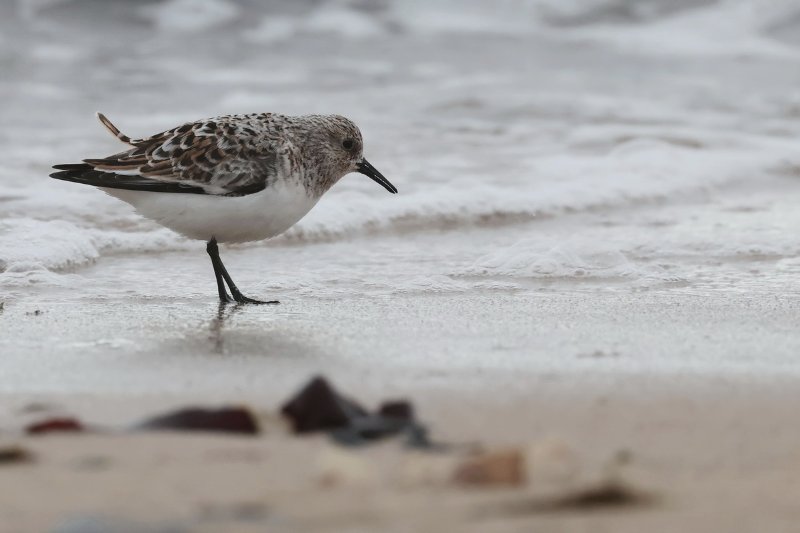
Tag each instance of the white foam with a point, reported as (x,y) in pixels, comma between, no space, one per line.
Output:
(730,28)
(501,16)
(28,244)
(632,172)
(550,186)
(339,20)
(578,257)
(190,15)
(329,19)
(273,29)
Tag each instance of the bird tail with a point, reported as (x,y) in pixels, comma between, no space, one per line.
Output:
(78,173)
(89,175)
(115,131)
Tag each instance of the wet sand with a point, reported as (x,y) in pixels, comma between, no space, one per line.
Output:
(697,390)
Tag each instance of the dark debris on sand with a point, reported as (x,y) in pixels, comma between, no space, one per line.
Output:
(319,407)
(604,496)
(14,454)
(237,420)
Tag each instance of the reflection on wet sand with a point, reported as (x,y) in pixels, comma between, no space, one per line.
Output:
(216,327)
(241,331)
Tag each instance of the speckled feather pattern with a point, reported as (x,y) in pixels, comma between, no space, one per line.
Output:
(236,155)
(234,178)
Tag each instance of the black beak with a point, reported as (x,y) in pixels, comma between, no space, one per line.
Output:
(372,173)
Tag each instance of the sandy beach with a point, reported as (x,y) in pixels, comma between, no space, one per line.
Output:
(704,419)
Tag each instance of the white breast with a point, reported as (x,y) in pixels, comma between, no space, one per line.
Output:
(253,217)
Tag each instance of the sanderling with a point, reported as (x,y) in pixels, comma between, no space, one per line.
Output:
(234,178)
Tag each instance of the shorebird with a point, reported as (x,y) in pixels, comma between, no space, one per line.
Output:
(228,179)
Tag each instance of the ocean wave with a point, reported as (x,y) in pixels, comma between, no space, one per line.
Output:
(578,258)
(28,245)
(646,171)
(714,25)
(472,133)
(633,174)
(726,27)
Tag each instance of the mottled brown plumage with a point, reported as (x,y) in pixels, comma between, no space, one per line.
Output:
(232,155)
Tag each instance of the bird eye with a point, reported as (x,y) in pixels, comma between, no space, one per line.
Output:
(348,144)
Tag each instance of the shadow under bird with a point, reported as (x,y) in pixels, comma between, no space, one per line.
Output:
(229,179)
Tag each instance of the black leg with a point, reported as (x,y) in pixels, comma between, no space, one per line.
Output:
(213,252)
(222,273)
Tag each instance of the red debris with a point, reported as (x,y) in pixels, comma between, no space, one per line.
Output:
(55,425)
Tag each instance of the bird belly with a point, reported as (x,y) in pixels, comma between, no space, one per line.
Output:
(253,217)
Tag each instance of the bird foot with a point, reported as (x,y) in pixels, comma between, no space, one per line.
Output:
(242,299)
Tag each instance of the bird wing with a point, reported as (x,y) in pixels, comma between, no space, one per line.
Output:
(226,156)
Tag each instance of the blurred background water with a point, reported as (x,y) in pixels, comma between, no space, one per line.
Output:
(619,144)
